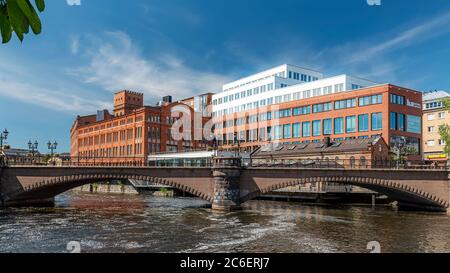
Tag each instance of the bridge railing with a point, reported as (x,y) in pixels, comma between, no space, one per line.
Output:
(210,162)
(104,162)
(348,164)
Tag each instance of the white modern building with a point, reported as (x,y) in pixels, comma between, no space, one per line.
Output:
(280,84)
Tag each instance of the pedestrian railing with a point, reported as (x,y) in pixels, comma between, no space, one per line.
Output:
(222,162)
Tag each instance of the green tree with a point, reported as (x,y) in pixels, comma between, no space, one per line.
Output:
(444,129)
(19,16)
(444,132)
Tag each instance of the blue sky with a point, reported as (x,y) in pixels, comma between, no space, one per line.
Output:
(184,47)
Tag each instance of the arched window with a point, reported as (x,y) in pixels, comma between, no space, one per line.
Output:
(363,161)
(352,162)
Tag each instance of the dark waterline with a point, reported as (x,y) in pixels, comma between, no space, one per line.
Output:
(105,223)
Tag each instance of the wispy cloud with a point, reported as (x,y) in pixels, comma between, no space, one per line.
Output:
(413,35)
(117,63)
(48,97)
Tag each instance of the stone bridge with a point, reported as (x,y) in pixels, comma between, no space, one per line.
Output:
(226,185)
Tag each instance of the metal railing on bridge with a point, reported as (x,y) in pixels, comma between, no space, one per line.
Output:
(210,162)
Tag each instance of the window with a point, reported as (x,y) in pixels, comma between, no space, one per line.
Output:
(393,121)
(327,90)
(282,113)
(317,128)
(401,122)
(305,110)
(430,143)
(377,121)
(414,124)
(370,100)
(339,88)
(441,115)
(344,104)
(327,126)
(363,123)
(350,124)
(322,107)
(339,125)
(296,130)
(278,132)
(431,129)
(430,117)
(306,128)
(441,142)
(286,131)
(396,99)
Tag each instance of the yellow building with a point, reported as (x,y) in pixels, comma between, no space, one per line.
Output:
(434,115)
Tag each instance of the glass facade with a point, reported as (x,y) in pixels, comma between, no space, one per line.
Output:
(306,128)
(296,130)
(377,121)
(414,124)
(393,121)
(350,124)
(363,123)
(286,131)
(339,125)
(327,126)
(317,128)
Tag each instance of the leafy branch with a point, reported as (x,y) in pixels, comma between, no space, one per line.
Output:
(19,16)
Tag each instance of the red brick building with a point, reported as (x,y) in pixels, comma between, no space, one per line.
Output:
(390,111)
(133,131)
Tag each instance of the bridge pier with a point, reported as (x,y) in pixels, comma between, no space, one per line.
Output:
(226,173)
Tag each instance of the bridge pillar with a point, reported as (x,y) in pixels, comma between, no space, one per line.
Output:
(226,173)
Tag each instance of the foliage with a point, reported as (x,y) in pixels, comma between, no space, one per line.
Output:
(19,16)
(444,132)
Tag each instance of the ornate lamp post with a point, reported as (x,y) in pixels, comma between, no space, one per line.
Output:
(33,147)
(3,136)
(52,147)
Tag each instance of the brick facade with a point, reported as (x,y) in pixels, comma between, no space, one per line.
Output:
(132,133)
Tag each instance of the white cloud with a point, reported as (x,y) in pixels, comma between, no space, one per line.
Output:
(425,31)
(116,63)
(57,100)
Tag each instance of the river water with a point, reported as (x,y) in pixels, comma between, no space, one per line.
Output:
(107,223)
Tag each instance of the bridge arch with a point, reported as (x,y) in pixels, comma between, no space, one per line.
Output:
(398,191)
(51,187)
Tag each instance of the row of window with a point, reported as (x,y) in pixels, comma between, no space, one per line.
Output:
(302,77)
(350,103)
(297,95)
(431,143)
(441,115)
(397,99)
(402,122)
(434,105)
(350,124)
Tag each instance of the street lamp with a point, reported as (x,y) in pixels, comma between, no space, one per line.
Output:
(52,146)
(3,136)
(33,147)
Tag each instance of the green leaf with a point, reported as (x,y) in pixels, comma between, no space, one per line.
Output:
(40,5)
(16,18)
(5,26)
(34,20)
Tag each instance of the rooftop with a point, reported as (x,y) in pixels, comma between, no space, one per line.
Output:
(435,95)
(315,149)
